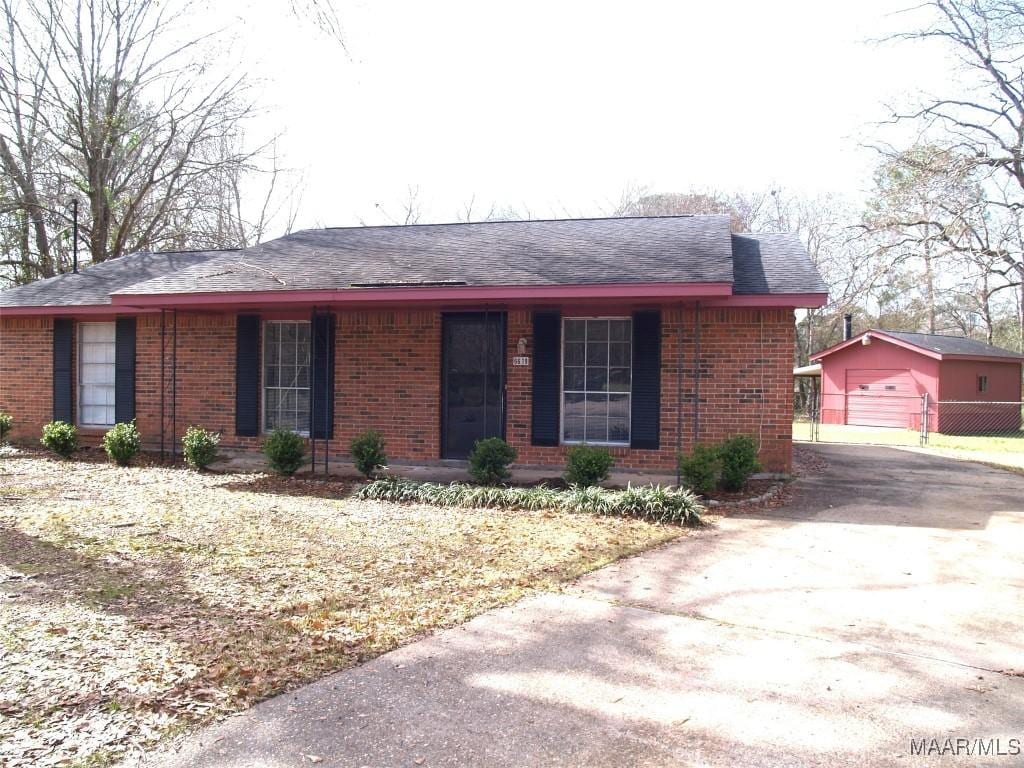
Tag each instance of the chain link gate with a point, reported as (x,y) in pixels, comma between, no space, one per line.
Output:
(990,431)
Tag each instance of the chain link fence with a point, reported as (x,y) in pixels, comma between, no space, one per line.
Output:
(990,431)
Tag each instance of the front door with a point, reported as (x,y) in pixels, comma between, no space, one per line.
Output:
(472,380)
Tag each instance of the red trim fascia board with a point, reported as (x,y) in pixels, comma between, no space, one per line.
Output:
(77,310)
(794,300)
(446,294)
(986,359)
(881,336)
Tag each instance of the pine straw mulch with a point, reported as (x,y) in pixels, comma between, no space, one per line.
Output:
(137,602)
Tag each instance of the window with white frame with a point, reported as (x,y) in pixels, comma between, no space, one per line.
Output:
(597,360)
(96,348)
(286,375)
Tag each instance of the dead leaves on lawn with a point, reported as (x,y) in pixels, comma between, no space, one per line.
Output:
(137,601)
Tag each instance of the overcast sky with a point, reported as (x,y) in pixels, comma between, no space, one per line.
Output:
(556,107)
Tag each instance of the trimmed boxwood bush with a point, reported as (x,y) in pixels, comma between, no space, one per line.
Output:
(122,443)
(60,437)
(488,463)
(701,468)
(739,461)
(648,502)
(6,423)
(284,450)
(199,446)
(587,465)
(368,452)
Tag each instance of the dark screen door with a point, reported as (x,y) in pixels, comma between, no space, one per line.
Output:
(473,380)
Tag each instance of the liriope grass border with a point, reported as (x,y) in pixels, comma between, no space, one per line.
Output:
(654,503)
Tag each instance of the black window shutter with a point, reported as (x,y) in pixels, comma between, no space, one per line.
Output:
(124,370)
(247,375)
(646,399)
(321,411)
(547,357)
(62,373)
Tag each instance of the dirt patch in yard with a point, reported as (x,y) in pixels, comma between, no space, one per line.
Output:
(135,602)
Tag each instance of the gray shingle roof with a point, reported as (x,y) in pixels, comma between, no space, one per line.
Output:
(669,249)
(94,283)
(581,251)
(773,263)
(952,345)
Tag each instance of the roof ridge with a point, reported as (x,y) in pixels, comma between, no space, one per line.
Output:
(519,221)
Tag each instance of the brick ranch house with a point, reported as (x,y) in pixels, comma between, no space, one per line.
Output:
(642,334)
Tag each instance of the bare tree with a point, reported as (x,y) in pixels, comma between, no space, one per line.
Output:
(985,125)
(109,100)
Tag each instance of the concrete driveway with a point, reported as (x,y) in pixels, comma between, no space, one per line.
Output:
(884,604)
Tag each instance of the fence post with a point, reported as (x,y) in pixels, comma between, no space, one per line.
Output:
(924,420)
(815,411)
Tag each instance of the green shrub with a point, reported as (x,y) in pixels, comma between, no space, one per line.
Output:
(488,463)
(701,468)
(587,465)
(739,461)
(285,451)
(654,503)
(122,443)
(368,452)
(199,447)
(6,423)
(60,437)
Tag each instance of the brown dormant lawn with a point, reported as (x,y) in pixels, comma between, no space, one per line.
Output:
(136,602)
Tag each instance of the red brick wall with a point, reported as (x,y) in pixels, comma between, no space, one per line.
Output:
(26,374)
(387,377)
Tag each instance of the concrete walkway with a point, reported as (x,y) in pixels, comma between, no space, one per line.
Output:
(883,605)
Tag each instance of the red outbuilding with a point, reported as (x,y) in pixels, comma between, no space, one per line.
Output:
(880,379)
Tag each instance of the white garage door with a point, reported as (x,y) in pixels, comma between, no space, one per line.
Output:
(881,397)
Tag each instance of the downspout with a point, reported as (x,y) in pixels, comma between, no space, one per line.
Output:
(696,375)
(174,387)
(163,383)
(312,389)
(679,394)
(328,394)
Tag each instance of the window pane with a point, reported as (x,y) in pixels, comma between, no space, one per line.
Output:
(575,353)
(620,330)
(618,354)
(574,379)
(618,430)
(574,405)
(618,406)
(575,330)
(572,430)
(597,430)
(597,330)
(597,406)
(97,332)
(597,353)
(302,376)
(618,379)
(597,379)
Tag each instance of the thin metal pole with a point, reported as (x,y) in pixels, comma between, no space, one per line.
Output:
(174,388)
(487,360)
(74,235)
(328,392)
(163,382)
(696,376)
(679,394)
(312,388)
